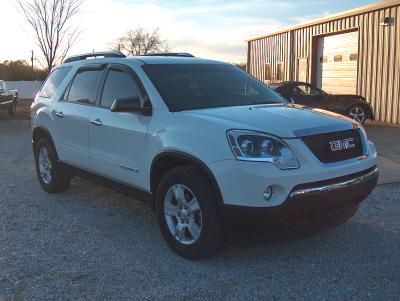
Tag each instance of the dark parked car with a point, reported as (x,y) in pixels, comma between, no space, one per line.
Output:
(353,106)
(8,98)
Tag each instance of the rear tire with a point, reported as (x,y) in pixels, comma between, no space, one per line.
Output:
(51,177)
(13,109)
(191,226)
(358,113)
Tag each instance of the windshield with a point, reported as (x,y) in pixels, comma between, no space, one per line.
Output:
(200,86)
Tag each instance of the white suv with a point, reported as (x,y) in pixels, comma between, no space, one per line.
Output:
(215,151)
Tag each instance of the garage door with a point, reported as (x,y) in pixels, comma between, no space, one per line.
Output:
(337,58)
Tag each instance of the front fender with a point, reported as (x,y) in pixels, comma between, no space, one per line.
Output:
(179,133)
(202,139)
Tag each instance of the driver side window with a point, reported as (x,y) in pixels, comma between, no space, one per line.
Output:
(118,84)
(305,90)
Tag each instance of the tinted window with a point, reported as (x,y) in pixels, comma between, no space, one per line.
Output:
(83,88)
(337,58)
(118,84)
(353,56)
(53,82)
(196,86)
(305,90)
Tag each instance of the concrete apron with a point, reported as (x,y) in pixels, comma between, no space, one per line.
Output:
(386,138)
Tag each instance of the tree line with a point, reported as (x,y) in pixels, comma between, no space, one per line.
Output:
(20,70)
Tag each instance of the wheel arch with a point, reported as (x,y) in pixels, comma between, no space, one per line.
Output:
(39,132)
(365,106)
(169,159)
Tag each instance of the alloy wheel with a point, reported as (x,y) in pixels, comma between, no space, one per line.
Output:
(182,214)
(45,165)
(358,114)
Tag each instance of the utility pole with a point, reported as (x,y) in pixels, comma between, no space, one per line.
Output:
(32,63)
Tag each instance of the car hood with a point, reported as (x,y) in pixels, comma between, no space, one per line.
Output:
(283,120)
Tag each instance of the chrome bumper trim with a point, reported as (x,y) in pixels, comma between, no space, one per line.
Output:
(6,102)
(335,186)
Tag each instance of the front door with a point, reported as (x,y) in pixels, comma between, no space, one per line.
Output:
(118,139)
(5,95)
(2,92)
(308,95)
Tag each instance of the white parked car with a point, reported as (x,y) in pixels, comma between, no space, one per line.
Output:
(216,152)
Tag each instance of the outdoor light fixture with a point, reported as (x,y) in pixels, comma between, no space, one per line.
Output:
(387,21)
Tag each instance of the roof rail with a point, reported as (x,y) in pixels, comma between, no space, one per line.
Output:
(85,56)
(181,54)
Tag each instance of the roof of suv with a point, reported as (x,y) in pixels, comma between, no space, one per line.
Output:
(172,60)
(116,56)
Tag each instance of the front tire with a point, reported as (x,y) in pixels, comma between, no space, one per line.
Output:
(187,213)
(51,177)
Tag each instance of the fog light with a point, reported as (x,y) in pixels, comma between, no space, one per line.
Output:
(267,194)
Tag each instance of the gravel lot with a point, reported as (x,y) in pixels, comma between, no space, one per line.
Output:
(93,243)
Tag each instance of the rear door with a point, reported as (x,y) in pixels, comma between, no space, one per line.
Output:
(118,139)
(72,115)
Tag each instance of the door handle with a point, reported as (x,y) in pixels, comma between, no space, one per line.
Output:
(96,122)
(60,114)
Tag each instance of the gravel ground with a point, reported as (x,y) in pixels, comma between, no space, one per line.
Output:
(93,243)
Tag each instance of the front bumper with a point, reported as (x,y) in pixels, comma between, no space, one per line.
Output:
(309,207)
(6,103)
(242,183)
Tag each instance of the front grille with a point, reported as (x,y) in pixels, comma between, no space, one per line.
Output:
(337,146)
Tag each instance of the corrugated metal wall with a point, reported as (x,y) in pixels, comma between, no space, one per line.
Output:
(378,77)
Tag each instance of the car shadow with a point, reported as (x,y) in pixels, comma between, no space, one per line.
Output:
(135,217)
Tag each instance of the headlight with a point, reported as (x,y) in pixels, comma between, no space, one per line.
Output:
(254,146)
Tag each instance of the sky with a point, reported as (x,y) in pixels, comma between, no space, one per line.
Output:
(215,29)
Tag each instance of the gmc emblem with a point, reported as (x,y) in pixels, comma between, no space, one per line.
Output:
(338,145)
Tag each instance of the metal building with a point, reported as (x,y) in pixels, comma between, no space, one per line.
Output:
(356,51)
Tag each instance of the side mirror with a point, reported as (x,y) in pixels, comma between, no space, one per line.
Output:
(127,104)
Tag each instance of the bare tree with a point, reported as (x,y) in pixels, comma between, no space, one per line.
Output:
(50,20)
(140,41)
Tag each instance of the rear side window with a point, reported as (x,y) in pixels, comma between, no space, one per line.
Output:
(53,82)
(83,88)
(118,84)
